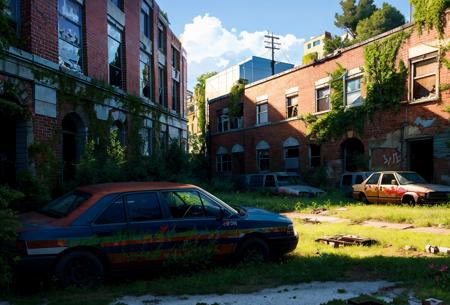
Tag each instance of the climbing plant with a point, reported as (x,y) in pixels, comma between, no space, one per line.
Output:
(235,98)
(385,85)
(430,14)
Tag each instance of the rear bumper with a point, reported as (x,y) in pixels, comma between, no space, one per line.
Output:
(283,245)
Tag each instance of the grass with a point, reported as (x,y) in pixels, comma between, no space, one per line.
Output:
(311,261)
(420,216)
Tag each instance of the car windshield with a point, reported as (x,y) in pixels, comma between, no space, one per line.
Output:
(64,205)
(288,180)
(410,178)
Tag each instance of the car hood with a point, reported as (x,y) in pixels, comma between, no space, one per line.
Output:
(300,189)
(426,187)
(33,221)
(261,214)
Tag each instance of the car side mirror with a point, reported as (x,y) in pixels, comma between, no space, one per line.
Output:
(394,182)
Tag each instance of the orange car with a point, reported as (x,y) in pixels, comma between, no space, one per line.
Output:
(399,187)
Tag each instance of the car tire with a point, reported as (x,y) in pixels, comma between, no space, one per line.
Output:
(79,268)
(409,200)
(253,251)
(363,198)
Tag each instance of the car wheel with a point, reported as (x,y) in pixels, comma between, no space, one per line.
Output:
(363,198)
(409,201)
(253,251)
(80,269)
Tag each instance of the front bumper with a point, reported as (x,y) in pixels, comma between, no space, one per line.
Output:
(283,245)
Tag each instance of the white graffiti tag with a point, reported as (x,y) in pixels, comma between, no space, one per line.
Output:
(392,159)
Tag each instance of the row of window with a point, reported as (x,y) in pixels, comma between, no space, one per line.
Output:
(70,44)
(225,163)
(423,86)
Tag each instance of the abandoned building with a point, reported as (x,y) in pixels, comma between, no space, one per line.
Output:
(79,64)
(278,113)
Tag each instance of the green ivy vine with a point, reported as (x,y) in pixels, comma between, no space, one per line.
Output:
(429,14)
(385,85)
(235,98)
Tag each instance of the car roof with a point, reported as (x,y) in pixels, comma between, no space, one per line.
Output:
(123,187)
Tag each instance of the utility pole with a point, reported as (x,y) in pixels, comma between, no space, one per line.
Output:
(272,44)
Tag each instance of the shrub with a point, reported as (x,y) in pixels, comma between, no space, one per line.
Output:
(8,232)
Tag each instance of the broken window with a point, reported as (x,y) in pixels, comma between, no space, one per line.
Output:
(292,107)
(115,55)
(291,158)
(146,20)
(223,120)
(70,34)
(263,159)
(238,121)
(353,92)
(424,76)
(323,99)
(145,74)
(262,113)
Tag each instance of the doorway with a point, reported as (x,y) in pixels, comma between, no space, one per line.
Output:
(420,156)
(353,155)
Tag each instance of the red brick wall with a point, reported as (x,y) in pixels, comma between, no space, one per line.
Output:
(380,129)
(132,38)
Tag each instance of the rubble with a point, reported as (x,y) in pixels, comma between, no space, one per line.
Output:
(346,240)
(437,249)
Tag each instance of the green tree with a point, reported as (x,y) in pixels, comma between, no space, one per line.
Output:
(335,43)
(199,93)
(384,19)
(7,31)
(352,13)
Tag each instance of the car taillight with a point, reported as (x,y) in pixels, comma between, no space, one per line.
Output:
(290,230)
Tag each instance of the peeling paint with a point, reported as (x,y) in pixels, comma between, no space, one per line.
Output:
(424,123)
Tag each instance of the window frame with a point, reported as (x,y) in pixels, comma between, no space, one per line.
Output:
(315,157)
(121,68)
(350,79)
(223,120)
(15,14)
(148,18)
(162,77)
(327,97)
(150,75)
(259,154)
(79,25)
(413,78)
(162,39)
(258,112)
(117,3)
(290,106)
(222,165)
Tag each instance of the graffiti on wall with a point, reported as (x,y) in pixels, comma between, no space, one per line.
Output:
(392,159)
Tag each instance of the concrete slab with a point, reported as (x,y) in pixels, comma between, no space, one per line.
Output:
(316,218)
(387,225)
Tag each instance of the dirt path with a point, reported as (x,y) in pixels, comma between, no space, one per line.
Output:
(317,218)
(306,294)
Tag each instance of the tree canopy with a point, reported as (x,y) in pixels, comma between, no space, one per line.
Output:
(384,19)
(352,13)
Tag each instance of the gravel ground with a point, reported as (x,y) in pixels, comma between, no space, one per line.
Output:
(314,293)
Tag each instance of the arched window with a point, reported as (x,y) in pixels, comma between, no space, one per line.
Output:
(263,156)
(291,149)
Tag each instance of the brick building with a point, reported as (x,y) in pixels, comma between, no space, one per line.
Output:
(117,49)
(414,136)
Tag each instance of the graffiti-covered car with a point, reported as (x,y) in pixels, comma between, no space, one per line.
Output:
(400,187)
(93,230)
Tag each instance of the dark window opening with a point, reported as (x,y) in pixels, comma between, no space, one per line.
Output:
(420,155)
(145,74)
(270,181)
(315,159)
(162,86)
(353,155)
(115,56)
(263,159)
(146,20)
(162,38)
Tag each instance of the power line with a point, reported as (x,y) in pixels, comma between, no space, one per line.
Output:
(273,45)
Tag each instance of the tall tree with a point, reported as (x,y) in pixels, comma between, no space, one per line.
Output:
(199,94)
(352,13)
(384,19)
(335,43)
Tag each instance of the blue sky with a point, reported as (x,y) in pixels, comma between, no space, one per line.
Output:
(217,34)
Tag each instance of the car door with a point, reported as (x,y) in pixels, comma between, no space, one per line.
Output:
(147,227)
(196,223)
(110,230)
(388,191)
(371,187)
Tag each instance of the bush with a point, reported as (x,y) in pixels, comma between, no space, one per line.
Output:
(8,232)
(36,192)
(317,177)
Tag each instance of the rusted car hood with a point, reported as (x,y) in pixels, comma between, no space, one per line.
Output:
(298,189)
(426,188)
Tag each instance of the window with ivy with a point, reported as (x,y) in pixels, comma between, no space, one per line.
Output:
(146,20)
(353,91)
(70,21)
(262,113)
(424,76)
(263,159)
(292,106)
(323,99)
(145,74)
(223,120)
(115,55)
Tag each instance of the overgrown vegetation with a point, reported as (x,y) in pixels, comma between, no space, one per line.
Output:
(234,104)
(309,58)
(430,14)
(385,85)
(336,43)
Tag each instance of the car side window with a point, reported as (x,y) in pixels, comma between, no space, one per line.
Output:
(387,179)
(359,179)
(374,179)
(184,204)
(143,207)
(211,207)
(347,180)
(115,213)
(270,181)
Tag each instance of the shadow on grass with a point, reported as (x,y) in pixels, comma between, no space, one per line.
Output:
(413,272)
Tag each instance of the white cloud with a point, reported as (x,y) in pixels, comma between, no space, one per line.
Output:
(212,47)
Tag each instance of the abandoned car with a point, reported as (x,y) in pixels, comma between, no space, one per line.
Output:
(400,187)
(83,235)
(282,183)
